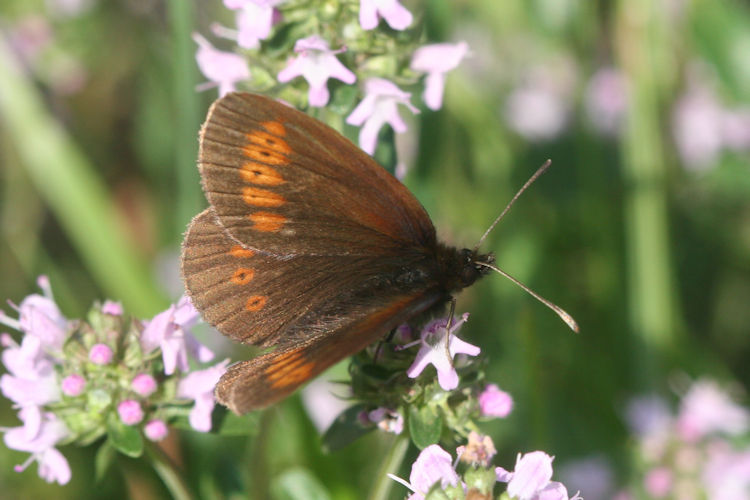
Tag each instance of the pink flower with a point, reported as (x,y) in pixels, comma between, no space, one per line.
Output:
(144,384)
(39,316)
(112,308)
(199,386)
(223,69)
(53,467)
(726,474)
(316,63)
(433,351)
(531,479)
(170,330)
(707,409)
(380,106)
(155,430)
(433,465)
(100,354)
(495,403)
(255,18)
(392,11)
(130,412)
(436,60)
(73,385)
(658,482)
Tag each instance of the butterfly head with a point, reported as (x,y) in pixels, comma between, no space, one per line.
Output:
(473,266)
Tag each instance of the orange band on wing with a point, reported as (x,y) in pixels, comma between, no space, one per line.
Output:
(240,252)
(266,221)
(275,128)
(289,369)
(242,276)
(270,141)
(262,197)
(255,303)
(257,173)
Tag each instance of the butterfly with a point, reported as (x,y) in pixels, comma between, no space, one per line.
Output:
(308,246)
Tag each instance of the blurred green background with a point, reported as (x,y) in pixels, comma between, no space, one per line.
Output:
(641,229)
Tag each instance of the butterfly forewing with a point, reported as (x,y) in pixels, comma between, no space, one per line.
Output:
(285,184)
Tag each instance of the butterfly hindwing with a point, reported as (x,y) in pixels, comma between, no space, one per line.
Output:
(271,377)
(283,183)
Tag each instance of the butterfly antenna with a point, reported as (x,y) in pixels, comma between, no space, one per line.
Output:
(567,318)
(531,180)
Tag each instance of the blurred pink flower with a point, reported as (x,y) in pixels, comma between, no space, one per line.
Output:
(199,386)
(73,385)
(433,465)
(223,69)
(605,100)
(39,316)
(593,476)
(392,11)
(255,18)
(379,106)
(696,125)
(707,409)
(494,402)
(531,479)
(433,351)
(735,129)
(324,400)
(658,482)
(317,63)
(130,412)
(100,354)
(155,430)
(436,60)
(144,384)
(53,467)
(112,308)
(170,330)
(726,474)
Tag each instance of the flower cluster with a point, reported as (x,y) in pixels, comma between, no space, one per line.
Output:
(77,381)
(434,475)
(699,452)
(342,42)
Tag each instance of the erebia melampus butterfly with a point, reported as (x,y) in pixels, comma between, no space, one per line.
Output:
(308,246)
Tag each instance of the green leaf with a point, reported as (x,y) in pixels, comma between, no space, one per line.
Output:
(125,438)
(105,455)
(345,429)
(298,484)
(425,426)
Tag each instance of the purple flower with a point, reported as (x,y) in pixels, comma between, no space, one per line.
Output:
(530,480)
(130,412)
(592,475)
(73,385)
(223,69)
(494,402)
(143,384)
(112,308)
(155,430)
(707,409)
(255,18)
(479,450)
(436,60)
(696,125)
(433,351)
(380,106)
(316,63)
(199,386)
(40,442)
(392,11)
(433,465)
(100,354)
(170,330)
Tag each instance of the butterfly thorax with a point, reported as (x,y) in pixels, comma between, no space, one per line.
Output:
(461,268)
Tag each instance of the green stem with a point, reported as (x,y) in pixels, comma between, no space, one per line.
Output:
(73,190)
(168,473)
(391,464)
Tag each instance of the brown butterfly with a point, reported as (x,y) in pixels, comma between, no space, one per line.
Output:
(308,245)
